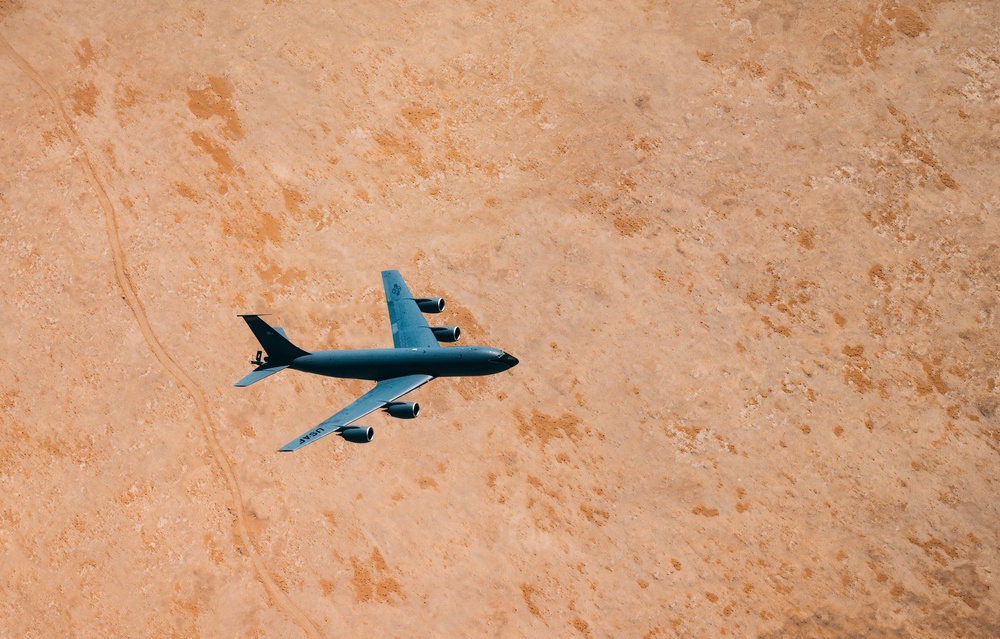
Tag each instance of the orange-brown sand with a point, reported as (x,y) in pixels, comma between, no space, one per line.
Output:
(748,253)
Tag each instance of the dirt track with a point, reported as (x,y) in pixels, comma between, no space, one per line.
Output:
(747,254)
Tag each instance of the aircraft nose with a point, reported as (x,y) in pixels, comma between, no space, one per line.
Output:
(506,360)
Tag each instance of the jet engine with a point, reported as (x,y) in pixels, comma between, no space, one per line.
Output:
(430,304)
(403,410)
(446,333)
(358,434)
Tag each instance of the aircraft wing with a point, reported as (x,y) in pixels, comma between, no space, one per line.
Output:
(409,328)
(385,392)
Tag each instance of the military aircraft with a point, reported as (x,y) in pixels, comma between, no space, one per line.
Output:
(415,360)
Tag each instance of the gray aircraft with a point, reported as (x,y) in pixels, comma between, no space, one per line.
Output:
(415,360)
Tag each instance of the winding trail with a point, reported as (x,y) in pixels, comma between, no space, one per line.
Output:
(282,600)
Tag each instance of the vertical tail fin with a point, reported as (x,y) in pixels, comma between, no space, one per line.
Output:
(279,349)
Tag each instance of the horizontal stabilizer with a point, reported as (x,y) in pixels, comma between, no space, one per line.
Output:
(258,374)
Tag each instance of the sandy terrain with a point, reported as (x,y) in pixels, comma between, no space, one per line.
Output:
(748,254)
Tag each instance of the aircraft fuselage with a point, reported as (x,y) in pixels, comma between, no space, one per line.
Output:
(378,364)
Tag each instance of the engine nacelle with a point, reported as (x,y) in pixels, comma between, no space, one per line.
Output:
(358,434)
(446,333)
(430,304)
(403,410)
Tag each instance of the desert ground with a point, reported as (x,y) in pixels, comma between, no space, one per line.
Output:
(747,252)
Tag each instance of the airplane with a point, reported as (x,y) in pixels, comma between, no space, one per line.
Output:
(414,360)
